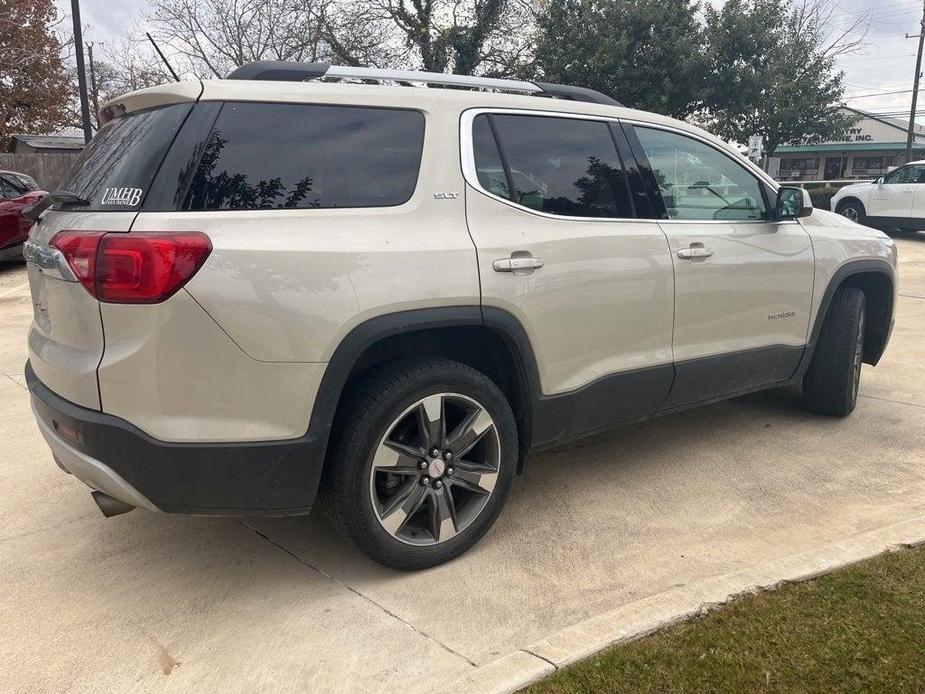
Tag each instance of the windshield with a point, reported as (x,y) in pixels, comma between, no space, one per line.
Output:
(115,170)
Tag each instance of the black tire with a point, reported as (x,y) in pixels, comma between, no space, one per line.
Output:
(853,210)
(830,385)
(368,417)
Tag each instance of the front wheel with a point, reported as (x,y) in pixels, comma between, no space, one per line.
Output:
(830,385)
(853,210)
(422,463)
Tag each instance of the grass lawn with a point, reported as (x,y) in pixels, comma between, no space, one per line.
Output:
(861,629)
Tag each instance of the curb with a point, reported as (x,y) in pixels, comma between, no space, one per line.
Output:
(540,659)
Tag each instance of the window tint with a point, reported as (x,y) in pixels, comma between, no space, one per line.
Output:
(116,169)
(267,156)
(488,163)
(564,166)
(698,181)
(914,173)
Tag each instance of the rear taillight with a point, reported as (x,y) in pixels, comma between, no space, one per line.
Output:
(135,268)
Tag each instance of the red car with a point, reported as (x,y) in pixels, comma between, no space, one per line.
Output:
(17,191)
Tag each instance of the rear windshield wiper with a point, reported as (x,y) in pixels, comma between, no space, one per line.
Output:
(62,196)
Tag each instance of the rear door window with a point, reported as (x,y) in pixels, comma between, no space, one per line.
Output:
(285,156)
(116,169)
(561,166)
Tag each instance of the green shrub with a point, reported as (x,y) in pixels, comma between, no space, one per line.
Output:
(822,196)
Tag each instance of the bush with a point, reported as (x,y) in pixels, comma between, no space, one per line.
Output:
(822,193)
(822,196)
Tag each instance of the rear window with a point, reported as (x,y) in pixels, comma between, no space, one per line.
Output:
(116,169)
(272,156)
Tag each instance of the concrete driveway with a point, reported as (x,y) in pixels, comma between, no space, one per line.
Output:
(600,540)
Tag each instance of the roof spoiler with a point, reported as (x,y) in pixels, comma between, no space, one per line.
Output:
(283,71)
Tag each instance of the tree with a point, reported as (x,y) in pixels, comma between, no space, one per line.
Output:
(773,71)
(34,87)
(211,37)
(459,36)
(644,53)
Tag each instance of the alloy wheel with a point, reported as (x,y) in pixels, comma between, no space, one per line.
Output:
(434,469)
(851,213)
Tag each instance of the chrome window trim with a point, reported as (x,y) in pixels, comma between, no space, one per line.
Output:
(467,160)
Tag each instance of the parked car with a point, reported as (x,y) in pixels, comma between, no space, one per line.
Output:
(893,201)
(17,191)
(388,296)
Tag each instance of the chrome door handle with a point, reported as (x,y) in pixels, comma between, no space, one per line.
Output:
(691,253)
(515,263)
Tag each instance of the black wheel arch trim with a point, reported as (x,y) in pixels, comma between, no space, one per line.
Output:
(365,335)
(843,273)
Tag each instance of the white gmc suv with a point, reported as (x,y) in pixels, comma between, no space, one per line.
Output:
(287,284)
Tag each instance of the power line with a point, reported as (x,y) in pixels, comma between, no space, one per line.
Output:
(865,96)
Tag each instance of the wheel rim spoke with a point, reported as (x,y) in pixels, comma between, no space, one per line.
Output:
(396,458)
(403,506)
(443,516)
(469,432)
(480,481)
(430,420)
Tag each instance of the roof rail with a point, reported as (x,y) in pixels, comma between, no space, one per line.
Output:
(299,72)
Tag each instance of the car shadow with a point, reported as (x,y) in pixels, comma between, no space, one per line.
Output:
(630,451)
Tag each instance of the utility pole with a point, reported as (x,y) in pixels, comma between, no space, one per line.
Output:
(94,92)
(81,71)
(910,138)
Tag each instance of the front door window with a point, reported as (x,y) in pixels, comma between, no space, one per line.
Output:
(698,182)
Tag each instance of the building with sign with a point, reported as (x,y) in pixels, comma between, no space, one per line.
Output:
(874,146)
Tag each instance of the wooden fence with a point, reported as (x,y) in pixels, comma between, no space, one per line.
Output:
(47,169)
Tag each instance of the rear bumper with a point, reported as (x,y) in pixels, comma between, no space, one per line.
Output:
(113,456)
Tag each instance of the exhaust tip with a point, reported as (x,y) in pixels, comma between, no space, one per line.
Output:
(109,506)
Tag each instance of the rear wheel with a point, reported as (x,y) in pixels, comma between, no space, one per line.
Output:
(423,463)
(853,210)
(830,385)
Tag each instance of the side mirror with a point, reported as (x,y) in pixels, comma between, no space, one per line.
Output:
(793,203)
(880,181)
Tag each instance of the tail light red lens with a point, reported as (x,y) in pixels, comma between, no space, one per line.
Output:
(134,268)
(80,249)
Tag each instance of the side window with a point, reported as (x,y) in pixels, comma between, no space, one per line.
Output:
(271,156)
(698,181)
(562,166)
(488,164)
(914,173)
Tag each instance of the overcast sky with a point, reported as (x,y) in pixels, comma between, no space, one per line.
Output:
(885,64)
